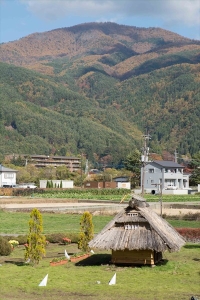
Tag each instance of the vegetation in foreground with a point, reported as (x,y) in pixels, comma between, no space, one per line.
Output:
(178,277)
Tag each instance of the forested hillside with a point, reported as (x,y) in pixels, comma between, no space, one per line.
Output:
(96,88)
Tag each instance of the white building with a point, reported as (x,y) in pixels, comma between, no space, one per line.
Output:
(165,175)
(7,177)
(123,182)
(66,184)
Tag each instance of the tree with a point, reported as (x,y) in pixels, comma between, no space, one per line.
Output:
(133,164)
(195,177)
(36,240)
(86,231)
(195,165)
(62,173)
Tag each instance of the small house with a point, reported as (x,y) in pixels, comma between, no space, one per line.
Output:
(137,235)
(123,182)
(7,177)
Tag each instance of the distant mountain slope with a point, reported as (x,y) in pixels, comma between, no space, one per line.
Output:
(95,88)
(89,38)
(40,116)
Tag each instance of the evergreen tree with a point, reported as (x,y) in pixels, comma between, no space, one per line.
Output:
(36,240)
(133,164)
(86,231)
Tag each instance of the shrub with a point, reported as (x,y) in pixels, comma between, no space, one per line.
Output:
(58,237)
(36,240)
(22,239)
(55,237)
(5,247)
(86,231)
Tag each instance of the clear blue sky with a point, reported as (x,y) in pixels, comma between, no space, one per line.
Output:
(19,18)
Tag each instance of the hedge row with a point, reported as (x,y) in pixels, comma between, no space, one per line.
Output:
(52,238)
(190,234)
(29,192)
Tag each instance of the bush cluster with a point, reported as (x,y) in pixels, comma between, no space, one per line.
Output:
(190,234)
(185,217)
(5,247)
(51,238)
(58,237)
(22,239)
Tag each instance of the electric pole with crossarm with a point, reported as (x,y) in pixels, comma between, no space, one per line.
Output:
(144,159)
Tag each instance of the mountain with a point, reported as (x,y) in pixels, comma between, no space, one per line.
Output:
(95,88)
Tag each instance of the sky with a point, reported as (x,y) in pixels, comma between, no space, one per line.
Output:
(19,18)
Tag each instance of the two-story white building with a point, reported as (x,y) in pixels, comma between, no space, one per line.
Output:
(165,175)
(7,177)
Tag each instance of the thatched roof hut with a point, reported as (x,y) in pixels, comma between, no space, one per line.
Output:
(137,235)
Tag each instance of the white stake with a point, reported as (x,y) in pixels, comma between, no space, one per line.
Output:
(113,280)
(67,255)
(44,281)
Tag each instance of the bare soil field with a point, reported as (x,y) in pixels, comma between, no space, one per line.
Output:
(72,205)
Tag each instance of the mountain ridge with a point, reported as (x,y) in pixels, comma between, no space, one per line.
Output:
(122,80)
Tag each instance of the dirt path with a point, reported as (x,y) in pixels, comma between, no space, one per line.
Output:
(78,206)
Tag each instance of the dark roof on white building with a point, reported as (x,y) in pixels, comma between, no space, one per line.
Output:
(167,164)
(4,169)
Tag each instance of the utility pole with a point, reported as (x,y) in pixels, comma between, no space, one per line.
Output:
(175,156)
(86,167)
(160,195)
(144,159)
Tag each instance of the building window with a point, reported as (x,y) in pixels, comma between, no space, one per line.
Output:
(151,170)
(152,181)
(8,175)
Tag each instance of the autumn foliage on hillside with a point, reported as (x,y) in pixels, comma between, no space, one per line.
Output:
(95,88)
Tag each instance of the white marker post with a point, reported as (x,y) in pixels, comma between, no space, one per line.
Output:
(113,280)
(44,281)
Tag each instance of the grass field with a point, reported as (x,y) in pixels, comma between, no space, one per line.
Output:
(17,222)
(176,278)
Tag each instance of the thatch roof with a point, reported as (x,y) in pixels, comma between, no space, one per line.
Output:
(138,227)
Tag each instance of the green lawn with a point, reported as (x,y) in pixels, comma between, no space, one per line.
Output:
(17,222)
(173,198)
(176,278)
